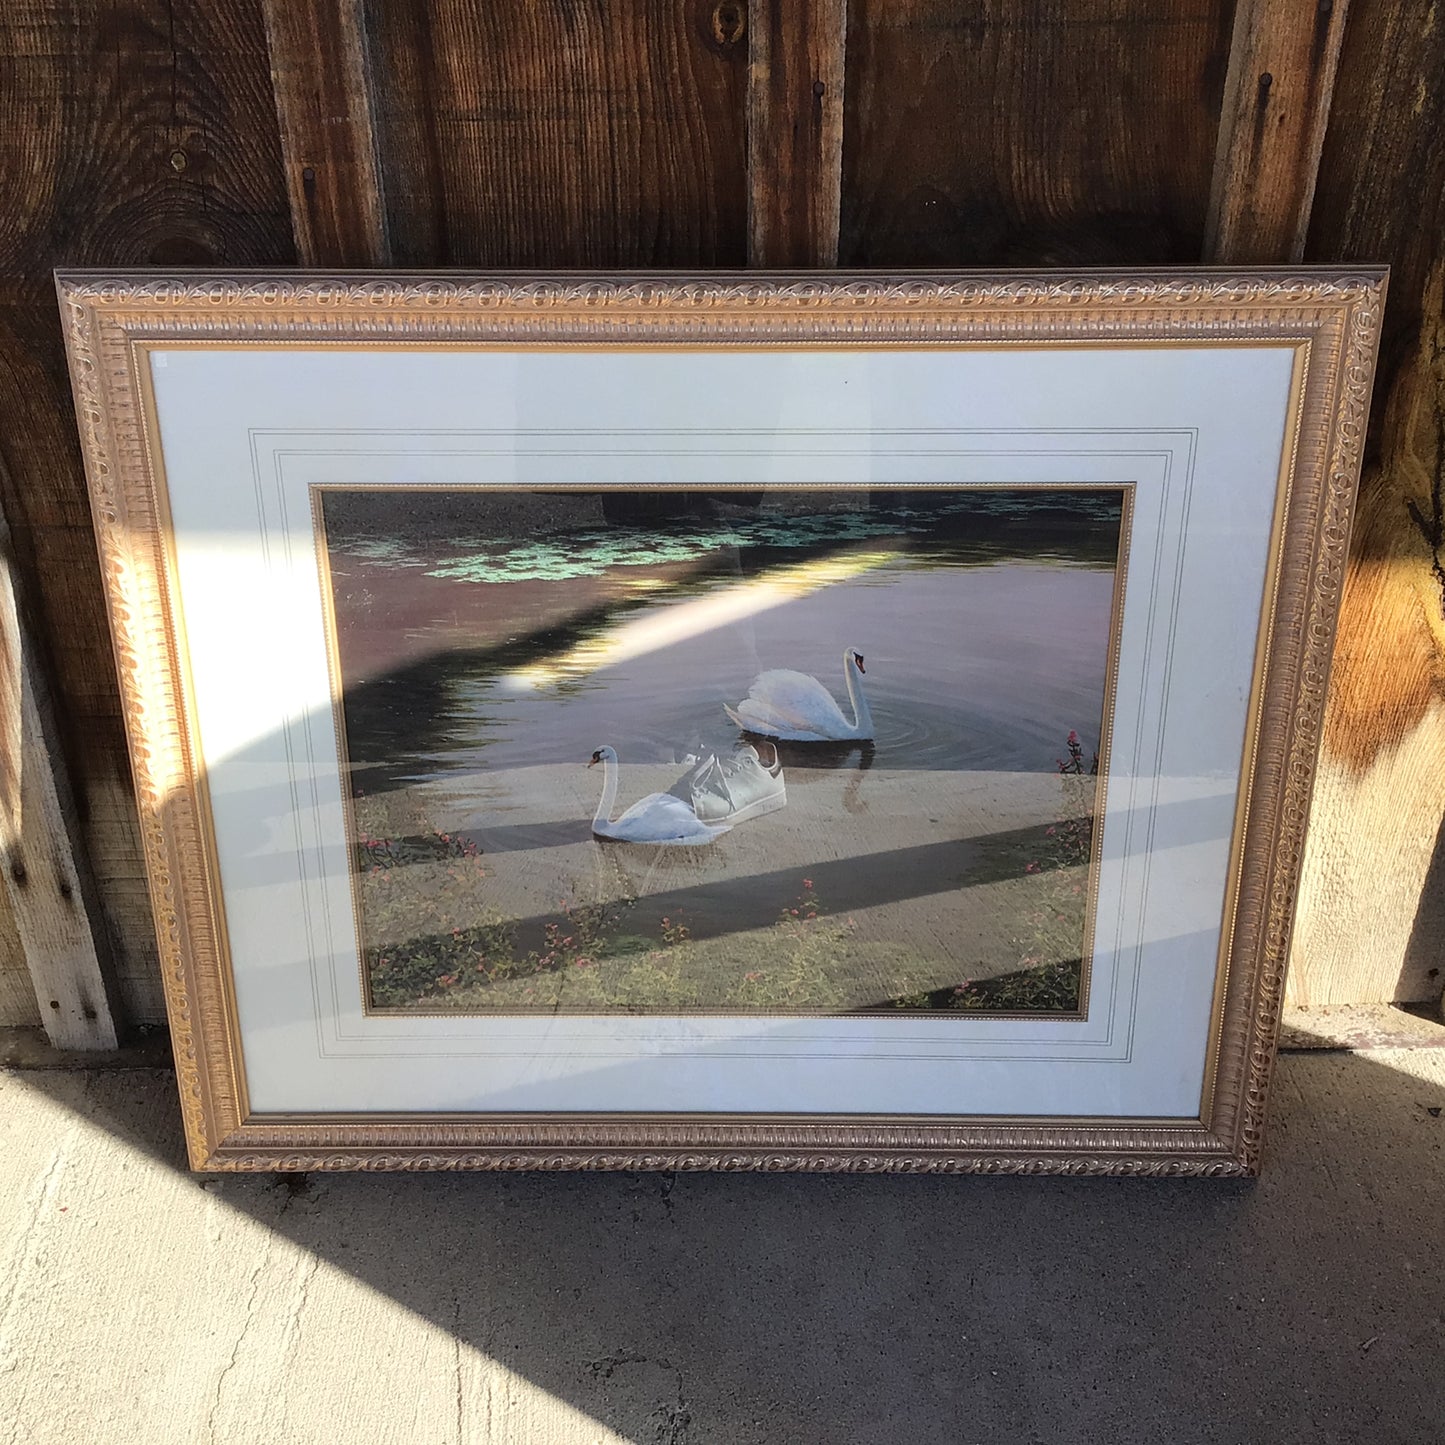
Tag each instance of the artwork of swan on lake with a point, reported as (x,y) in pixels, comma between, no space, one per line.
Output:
(657,818)
(798,709)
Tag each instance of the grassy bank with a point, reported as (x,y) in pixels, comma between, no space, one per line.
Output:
(435,941)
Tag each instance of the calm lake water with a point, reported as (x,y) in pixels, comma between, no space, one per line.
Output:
(479,635)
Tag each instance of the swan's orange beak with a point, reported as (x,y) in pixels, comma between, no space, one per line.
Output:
(592,762)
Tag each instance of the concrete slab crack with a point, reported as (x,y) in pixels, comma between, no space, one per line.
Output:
(253,1292)
(606,1367)
(40,1208)
(674,1420)
(457,1363)
(309,1266)
(671,1420)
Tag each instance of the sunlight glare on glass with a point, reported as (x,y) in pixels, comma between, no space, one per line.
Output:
(638,636)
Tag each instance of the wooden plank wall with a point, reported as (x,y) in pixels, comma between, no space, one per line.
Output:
(130,134)
(696,133)
(1016,132)
(1372,903)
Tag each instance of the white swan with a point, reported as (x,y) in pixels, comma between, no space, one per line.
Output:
(657,818)
(799,709)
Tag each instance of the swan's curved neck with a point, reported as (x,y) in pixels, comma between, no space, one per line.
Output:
(862,718)
(609,792)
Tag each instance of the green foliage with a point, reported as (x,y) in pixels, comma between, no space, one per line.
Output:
(1051,932)
(1046,988)
(407,970)
(800,964)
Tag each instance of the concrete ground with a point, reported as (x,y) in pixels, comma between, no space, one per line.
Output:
(141,1303)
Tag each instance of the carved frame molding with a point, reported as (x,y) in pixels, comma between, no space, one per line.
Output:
(1335,313)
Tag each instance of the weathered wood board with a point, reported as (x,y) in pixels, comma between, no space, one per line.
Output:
(1003,134)
(131,134)
(1372,899)
(552,135)
(135,132)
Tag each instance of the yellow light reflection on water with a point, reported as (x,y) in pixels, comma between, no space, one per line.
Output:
(636,636)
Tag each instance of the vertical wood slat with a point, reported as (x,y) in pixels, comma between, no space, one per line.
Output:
(1008,134)
(322,74)
(1371,920)
(1282,63)
(141,134)
(47,881)
(588,134)
(795,131)
(1371,923)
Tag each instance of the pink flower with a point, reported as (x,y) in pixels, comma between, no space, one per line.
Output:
(807,883)
(1032,868)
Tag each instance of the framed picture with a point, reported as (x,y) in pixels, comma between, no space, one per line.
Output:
(730,722)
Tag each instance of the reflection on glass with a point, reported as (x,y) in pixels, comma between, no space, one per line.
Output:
(492,644)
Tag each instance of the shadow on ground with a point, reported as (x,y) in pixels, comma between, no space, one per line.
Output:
(1303,1306)
(690,1309)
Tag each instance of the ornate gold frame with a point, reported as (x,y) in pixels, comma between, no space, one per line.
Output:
(1331,317)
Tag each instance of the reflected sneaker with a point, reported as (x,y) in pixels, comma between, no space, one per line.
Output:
(736,788)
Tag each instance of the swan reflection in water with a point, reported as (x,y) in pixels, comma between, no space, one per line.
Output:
(811,763)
